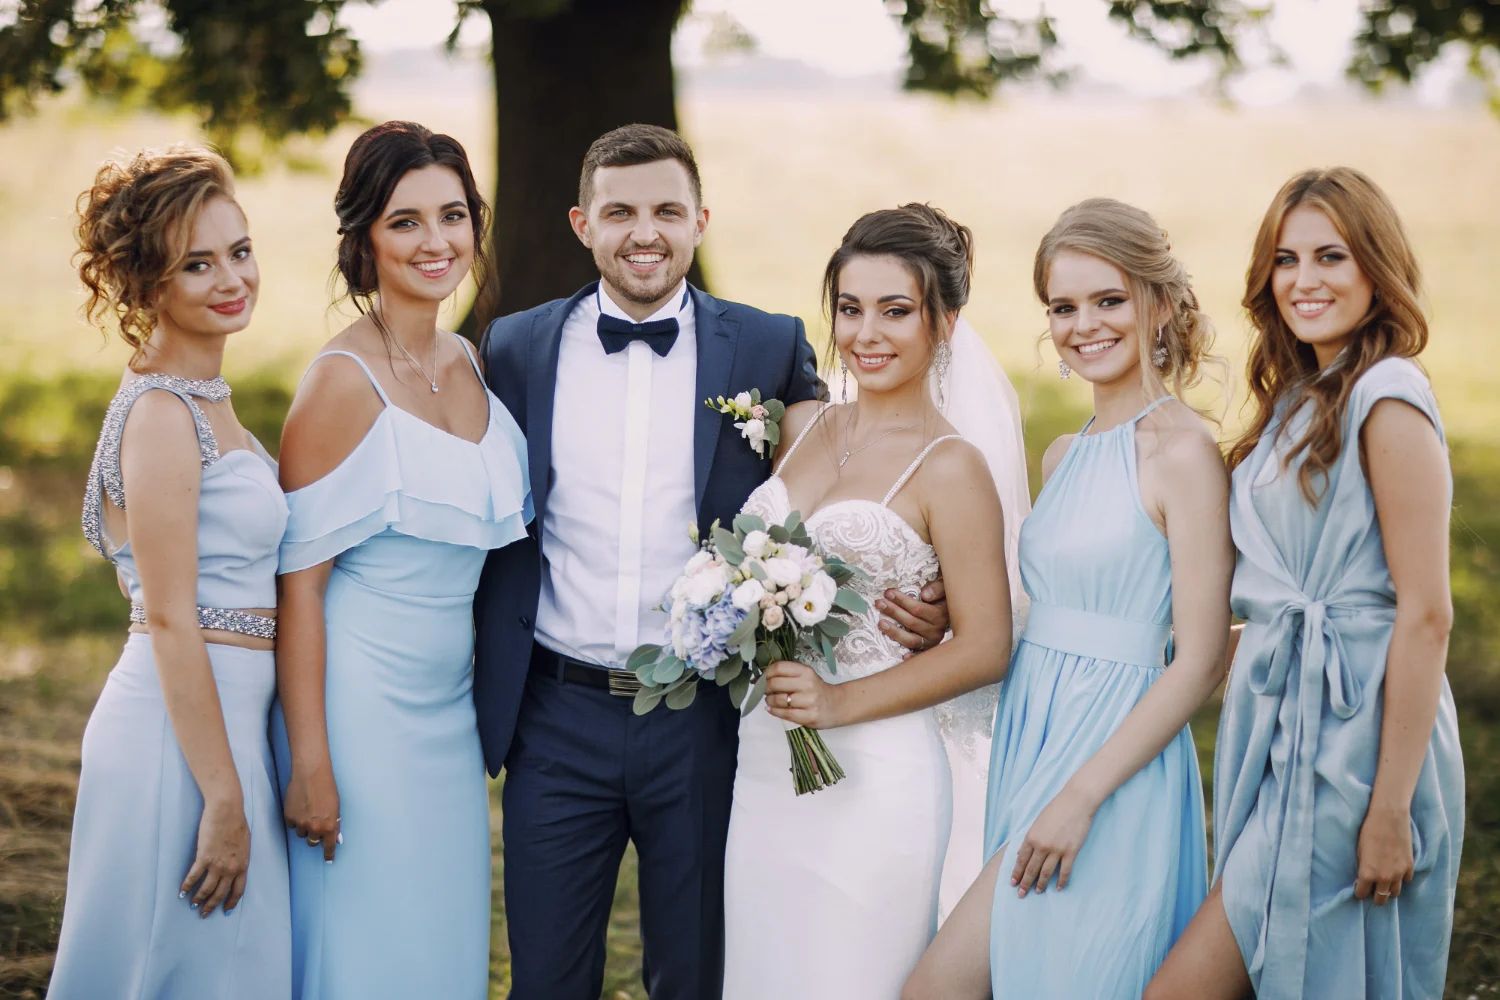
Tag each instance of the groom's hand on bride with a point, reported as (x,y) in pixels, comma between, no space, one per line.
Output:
(917,623)
(796,694)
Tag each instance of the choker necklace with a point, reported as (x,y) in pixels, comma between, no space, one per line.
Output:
(215,389)
(848,453)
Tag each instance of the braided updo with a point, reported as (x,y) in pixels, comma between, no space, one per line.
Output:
(134,225)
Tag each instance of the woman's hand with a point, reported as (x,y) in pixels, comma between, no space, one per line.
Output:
(795,693)
(312,808)
(1053,842)
(917,623)
(1386,860)
(223,855)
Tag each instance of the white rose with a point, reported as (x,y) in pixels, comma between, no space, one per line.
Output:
(773,618)
(816,601)
(701,559)
(743,401)
(705,586)
(755,433)
(793,591)
(748,594)
(783,571)
(757,543)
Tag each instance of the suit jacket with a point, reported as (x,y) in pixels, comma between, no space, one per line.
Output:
(739,348)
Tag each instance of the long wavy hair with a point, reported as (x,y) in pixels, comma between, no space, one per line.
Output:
(1130,239)
(134,224)
(1283,372)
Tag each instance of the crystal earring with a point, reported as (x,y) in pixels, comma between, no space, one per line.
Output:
(1063,371)
(943,362)
(1160,357)
(843,381)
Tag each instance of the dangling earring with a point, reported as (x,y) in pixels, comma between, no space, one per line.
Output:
(1159,357)
(1063,371)
(843,381)
(942,361)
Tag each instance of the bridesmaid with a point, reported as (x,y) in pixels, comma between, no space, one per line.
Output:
(177,816)
(1339,787)
(1094,779)
(401,471)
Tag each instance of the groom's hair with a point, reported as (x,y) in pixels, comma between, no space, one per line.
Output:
(631,145)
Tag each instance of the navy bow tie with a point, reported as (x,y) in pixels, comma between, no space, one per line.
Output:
(616,334)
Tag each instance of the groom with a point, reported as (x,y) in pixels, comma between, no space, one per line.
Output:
(609,387)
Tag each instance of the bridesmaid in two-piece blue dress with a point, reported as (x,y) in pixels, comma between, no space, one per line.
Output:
(402,473)
(1094,779)
(177,872)
(1339,790)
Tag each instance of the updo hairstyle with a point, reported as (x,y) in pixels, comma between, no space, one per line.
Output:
(373,167)
(938,252)
(134,226)
(1163,292)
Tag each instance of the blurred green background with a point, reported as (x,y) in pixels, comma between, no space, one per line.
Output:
(786,168)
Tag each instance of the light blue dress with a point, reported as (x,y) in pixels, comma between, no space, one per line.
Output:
(125,933)
(1098,573)
(407,517)
(1299,737)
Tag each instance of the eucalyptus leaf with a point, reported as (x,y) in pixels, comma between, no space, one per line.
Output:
(746,523)
(765,655)
(850,601)
(828,658)
(645,700)
(757,692)
(745,630)
(779,535)
(834,628)
(642,656)
(668,670)
(729,547)
(773,433)
(754,397)
(727,671)
(758,570)
(775,409)
(682,695)
(793,521)
(739,687)
(747,649)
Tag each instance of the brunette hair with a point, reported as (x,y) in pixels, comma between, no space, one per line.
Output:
(1166,305)
(375,164)
(937,251)
(134,225)
(1282,369)
(631,145)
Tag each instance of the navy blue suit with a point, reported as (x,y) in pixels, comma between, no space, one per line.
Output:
(583,774)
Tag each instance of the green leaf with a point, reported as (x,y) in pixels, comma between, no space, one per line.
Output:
(729,547)
(757,692)
(739,687)
(757,570)
(833,628)
(746,523)
(850,601)
(646,699)
(773,434)
(766,654)
(828,658)
(682,695)
(731,668)
(745,630)
(668,670)
(754,397)
(775,409)
(642,656)
(779,535)
(747,649)
(793,522)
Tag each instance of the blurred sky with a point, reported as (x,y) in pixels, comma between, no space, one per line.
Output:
(851,38)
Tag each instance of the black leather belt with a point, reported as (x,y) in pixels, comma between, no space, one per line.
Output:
(571,671)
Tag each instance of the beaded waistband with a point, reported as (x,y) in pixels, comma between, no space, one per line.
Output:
(223,619)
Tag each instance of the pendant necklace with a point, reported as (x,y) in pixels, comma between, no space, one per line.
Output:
(848,453)
(409,359)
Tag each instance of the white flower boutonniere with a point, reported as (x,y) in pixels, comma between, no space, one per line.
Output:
(758,421)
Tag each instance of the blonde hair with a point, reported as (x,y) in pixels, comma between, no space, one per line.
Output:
(134,225)
(1131,240)
(1281,367)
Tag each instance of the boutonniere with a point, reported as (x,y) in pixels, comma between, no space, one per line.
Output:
(758,421)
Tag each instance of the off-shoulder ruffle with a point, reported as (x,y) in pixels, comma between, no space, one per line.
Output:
(410,477)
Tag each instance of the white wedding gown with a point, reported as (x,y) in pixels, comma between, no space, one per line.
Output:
(834,894)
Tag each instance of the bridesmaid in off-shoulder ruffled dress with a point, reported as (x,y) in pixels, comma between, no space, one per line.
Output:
(402,472)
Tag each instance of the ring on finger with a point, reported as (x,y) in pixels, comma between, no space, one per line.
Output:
(787,699)
(314,841)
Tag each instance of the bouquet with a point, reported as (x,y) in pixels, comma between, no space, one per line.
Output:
(745,600)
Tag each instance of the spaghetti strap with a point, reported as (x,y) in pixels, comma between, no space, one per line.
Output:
(911,469)
(359,361)
(816,417)
(1153,405)
(468,353)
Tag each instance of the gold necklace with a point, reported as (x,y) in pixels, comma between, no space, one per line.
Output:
(409,359)
(848,453)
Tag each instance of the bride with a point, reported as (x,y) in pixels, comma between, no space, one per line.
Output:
(837,894)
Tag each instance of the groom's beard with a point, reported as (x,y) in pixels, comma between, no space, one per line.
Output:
(647,289)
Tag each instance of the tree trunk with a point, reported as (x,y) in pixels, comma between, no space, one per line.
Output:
(562,81)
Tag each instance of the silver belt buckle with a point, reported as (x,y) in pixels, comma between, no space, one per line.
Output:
(623,683)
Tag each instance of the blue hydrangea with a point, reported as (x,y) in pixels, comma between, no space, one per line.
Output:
(706,632)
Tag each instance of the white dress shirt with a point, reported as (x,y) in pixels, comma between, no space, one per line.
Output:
(622,432)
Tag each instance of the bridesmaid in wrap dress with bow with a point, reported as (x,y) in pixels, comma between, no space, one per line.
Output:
(1338,779)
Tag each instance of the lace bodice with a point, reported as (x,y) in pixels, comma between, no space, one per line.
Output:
(869,537)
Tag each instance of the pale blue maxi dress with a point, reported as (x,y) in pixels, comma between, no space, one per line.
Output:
(1099,576)
(126,935)
(1299,737)
(404,909)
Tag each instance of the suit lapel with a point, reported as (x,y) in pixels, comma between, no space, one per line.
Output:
(541,391)
(716,337)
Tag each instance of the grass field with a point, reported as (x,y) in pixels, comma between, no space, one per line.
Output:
(784,178)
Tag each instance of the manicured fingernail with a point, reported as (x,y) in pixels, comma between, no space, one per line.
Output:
(883,606)
(195,906)
(340,839)
(328,861)
(1015,881)
(182,894)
